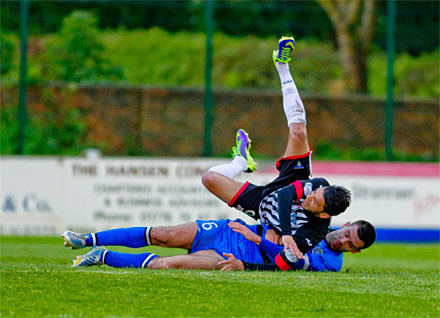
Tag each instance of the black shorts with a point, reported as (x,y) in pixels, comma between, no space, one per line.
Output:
(291,169)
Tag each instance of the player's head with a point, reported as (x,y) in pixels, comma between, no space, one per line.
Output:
(337,199)
(327,201)
(352,237)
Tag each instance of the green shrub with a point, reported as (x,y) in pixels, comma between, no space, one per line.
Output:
(76,52)
(7,49)
(418,76)
(61,132)
(157,57)
(414,76)
(326,150)
(80,52)
(8,131)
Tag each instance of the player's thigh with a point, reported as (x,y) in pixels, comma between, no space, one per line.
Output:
(181,236)
(223,187)
(207,260)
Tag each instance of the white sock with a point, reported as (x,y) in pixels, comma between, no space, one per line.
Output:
(231,170)
(292,103)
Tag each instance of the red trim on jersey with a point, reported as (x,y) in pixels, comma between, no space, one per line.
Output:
(298,188)
(238,193)
(281,263)
(293,157)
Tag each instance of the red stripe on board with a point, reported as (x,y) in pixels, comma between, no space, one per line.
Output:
(373,169)
(400,169)
(238,193)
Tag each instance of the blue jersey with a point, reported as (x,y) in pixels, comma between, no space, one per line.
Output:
(320,259)
(218,236)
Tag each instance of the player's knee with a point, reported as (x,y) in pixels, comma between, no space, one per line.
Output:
(209,179)
(160,263)
(161,235)
(298,132)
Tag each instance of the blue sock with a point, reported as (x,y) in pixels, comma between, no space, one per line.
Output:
(121,260)
(130,237)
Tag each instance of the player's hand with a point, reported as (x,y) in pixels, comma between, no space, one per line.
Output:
(273,237)
(245,231)
(289,243)
(231,264)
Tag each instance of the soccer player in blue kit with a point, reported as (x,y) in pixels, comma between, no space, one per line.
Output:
(293,205)
(210,242)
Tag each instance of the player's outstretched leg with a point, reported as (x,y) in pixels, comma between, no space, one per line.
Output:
(292,103)
(129,237)
(167,236)
(220,179)
(100,256)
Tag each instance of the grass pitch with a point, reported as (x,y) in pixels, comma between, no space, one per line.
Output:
(387,280)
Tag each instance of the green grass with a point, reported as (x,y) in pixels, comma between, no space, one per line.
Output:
(384,281)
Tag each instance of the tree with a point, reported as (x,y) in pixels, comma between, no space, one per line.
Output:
(76,53)
(354,22)
(7,49)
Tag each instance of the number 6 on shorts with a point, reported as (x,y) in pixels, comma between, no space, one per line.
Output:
(208,225)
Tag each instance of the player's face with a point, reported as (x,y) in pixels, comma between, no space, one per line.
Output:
(345,239)
(314,202)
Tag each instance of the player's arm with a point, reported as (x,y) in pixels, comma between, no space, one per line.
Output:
(285,197)
(309,235)
(285,261)
(233,264)
(312,262)
(294,192)
(271,249)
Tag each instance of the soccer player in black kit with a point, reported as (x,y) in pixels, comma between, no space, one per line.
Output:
(293,205)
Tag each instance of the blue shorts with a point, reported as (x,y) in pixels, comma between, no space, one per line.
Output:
(218,236)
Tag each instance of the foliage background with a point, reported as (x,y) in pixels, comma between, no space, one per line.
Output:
(116,42)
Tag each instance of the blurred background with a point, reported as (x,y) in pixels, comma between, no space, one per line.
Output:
(137,80)
(177,78)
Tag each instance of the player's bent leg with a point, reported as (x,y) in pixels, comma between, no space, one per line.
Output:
(220,179)
(181,236)
(94,257)
(207,260)
(297,143)
(222,187)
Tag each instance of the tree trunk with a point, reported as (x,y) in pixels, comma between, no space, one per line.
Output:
(353,61)
(353,21)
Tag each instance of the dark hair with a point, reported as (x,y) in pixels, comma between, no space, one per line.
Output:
(366,232)
(337,199)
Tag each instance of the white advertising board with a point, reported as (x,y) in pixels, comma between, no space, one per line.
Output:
(47,195)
